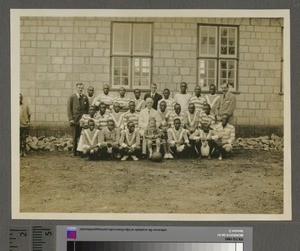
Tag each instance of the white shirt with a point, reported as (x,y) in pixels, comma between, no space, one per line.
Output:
(183,100)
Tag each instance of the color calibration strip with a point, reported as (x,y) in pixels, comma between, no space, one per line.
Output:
(150,246)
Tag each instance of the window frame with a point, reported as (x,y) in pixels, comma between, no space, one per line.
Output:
(131,55)
(218,56)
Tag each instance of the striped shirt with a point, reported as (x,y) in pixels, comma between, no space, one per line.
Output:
(83,122)
(165,117)
(199,102)
(226,134)
(174,115)
(130,139)
(101,119)
(106,99)
(179,136)
(123,102)
(212,100)
(170,102)
(90,138)
(140,104)
(118,118)
(183,100)
(108,136)
(209,119)
(131,117)
(201,135)
(191,120)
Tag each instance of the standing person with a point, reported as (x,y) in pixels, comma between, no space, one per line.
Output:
(183,98)
(154,95)
(226,104)
(198,100)
(212,98)
(152,135)
(104,98)
(78,104)
(170,102)
(139,103)
(122,100)
(91,92)
(25,115)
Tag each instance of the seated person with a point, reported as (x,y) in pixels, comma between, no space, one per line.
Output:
(170,102)
(122,100)
(83,122)
(109,138)
(139,102)
(223,136)
(152,135)
(131,116)
(201,141)
(206,117)
(130,142)
(91,140)
(117,116)
(164,114)
(104,98)
(191,119)
(178,140)
(177,113)
(101,116)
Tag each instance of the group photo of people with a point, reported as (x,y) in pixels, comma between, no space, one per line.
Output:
(154,126)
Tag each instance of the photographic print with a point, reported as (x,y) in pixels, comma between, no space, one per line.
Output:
(151,114)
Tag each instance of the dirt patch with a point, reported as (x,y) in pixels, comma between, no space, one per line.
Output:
(249,182)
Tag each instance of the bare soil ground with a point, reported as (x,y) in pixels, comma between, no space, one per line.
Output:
(249,182)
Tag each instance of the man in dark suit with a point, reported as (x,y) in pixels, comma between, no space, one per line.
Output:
(154,95)
(78,104)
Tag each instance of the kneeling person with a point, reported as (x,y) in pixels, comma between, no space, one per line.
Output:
(130,142)
(110,138)
(178,139)
(201,141)
(223,135)
(91,140)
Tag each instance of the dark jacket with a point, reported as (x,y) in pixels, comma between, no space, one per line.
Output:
(76,108)
(156,98)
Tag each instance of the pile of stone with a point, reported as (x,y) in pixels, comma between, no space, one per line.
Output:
(49,143)
(266,143)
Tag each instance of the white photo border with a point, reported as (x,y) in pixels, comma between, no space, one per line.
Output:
(15,16)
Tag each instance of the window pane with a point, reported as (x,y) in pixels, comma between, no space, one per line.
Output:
(206,73)
(141,72)
(121,38)
(227,72)
(228,40)
(120,70)
(142,39)
(207,40)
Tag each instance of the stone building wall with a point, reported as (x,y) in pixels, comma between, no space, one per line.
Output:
(57,52)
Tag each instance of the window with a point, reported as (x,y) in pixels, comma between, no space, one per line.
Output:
(131,55)
(217,56)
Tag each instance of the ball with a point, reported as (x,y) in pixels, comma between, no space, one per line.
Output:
(156,157)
